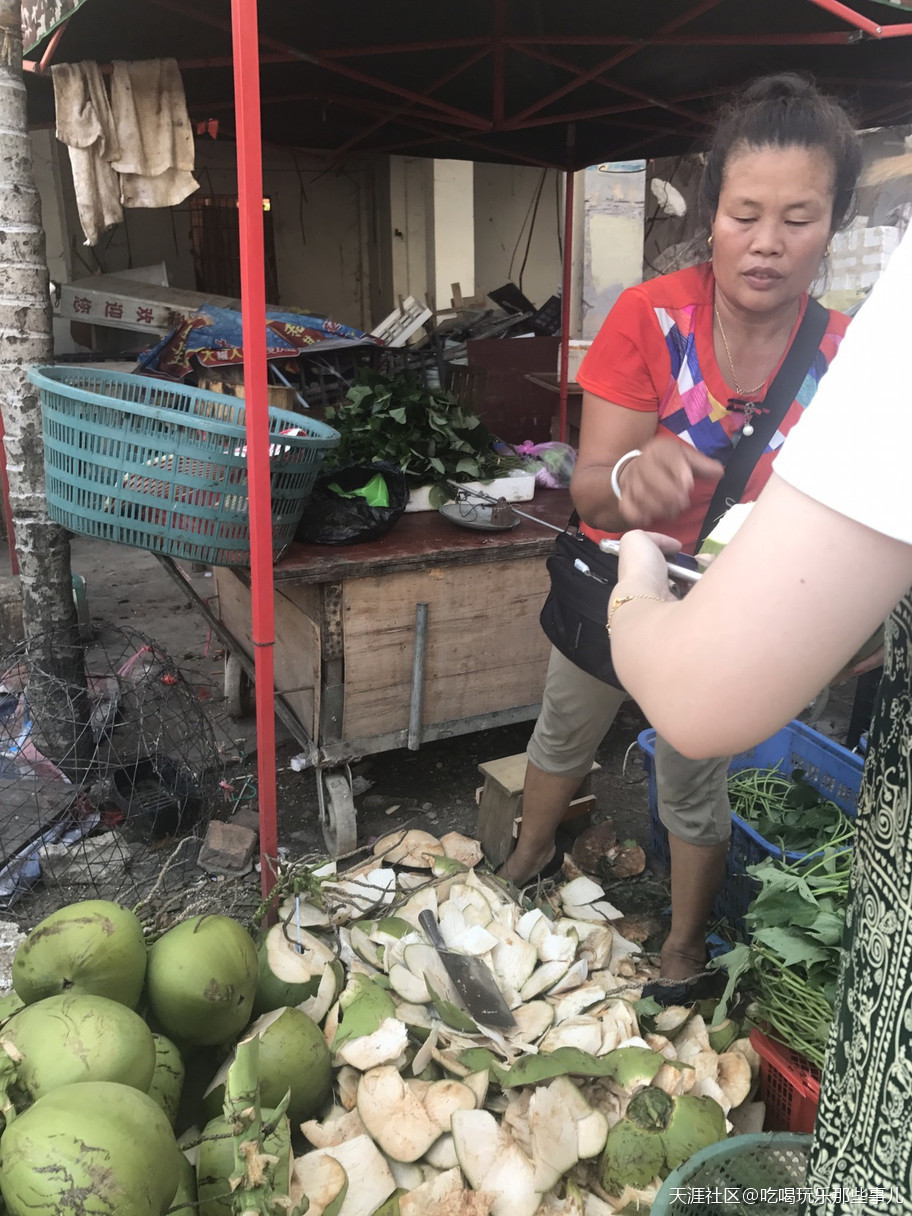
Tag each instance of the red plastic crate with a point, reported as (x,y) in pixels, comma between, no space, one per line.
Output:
(789,1086)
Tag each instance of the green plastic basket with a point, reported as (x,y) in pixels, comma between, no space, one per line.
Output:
(757,1175)
(163,466)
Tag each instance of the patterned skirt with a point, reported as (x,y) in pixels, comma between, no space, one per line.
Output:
(861,1161)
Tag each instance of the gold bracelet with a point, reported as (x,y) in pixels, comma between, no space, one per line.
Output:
(625,599)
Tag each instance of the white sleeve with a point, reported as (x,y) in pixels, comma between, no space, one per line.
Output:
(852,449)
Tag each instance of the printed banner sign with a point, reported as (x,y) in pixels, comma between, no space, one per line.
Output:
(40,17)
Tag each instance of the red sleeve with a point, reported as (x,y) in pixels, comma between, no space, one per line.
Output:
(628,363)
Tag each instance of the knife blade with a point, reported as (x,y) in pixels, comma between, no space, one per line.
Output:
(472,980)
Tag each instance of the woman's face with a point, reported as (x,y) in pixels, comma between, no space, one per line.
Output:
(771,227)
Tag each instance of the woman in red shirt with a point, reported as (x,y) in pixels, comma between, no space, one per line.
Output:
(678,369)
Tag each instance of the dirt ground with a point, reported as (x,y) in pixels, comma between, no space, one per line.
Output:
(434,788)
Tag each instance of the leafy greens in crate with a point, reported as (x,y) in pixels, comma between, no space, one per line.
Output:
(790,967)
(788,812)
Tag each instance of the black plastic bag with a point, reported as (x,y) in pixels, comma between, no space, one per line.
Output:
(331,519)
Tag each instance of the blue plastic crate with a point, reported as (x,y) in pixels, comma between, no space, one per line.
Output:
(827,766)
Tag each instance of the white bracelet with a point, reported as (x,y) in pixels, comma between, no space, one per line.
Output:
(617,468)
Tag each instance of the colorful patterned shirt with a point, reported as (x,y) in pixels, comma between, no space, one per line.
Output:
(655,353)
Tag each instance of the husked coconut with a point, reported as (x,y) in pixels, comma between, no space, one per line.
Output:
(347,1079)
(320,1179)
(394,1115)
(444,1195)
(369,1179)
(734,1077)
(387,1042)
(292,964)
(552,1129)
(532,1019)
(462,848)
(493,1162)
(339,1125)
(409,848)
(583,1033)
(692,1039)
(442,1153)
(444,1097)
(746,1048)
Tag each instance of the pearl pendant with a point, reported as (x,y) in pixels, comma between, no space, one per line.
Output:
(747,430)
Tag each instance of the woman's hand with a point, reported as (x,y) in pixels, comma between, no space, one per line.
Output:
(641,563)
(659,483)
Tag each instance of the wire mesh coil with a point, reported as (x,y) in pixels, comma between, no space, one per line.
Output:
(162,466)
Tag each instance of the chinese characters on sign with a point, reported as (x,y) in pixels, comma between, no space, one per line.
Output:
(117,310)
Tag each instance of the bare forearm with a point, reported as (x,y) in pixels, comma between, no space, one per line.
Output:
(595,500)
(768,626)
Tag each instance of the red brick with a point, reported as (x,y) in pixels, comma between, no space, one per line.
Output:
(228,848)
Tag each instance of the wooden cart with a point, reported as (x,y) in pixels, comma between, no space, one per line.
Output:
(429,632)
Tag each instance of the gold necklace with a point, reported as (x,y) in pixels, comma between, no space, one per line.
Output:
(742,392)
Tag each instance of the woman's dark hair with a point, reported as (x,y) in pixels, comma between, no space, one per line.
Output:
(785,111)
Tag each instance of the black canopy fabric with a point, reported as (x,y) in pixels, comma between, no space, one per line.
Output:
(563,83)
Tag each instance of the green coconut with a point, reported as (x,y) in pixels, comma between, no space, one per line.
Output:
(97,1148)
(93,947)
(201,980)
(292,1055)
(291,965)
(657,1134)
(215,1162)
(168,1078)
(185,1202)
(75,1037)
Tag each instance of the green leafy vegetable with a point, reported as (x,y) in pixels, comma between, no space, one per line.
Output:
(787,812)
(423,431)
(790,967)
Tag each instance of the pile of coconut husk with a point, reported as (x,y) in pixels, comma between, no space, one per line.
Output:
(346,1075)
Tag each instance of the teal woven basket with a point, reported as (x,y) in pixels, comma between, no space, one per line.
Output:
(162,466)
(759,1175)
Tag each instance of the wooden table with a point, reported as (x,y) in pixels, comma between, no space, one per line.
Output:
(429,632)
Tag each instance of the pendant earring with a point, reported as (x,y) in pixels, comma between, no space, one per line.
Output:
(709,240)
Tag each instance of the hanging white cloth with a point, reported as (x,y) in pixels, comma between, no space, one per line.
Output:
(157,152)
(85,124)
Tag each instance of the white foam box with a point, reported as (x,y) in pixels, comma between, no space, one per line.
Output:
(517,486)
(576,353)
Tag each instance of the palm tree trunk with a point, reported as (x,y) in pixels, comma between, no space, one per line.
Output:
(56,661)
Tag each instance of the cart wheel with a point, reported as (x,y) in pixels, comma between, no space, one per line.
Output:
(340,830)
(238,688)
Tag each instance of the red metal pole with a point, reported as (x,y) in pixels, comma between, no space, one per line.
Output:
(253,306)
(863,23)
(565,303)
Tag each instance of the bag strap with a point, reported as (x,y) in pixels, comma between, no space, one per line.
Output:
(779,397)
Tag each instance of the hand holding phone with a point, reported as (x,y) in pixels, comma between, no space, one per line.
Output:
(681,566)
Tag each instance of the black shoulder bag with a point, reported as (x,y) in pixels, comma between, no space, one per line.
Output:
(583,577)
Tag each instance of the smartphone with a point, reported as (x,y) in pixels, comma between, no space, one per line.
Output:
(681,566)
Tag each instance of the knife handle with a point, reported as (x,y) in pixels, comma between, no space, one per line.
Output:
(428,922)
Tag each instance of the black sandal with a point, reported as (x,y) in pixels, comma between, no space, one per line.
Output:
(706,985)
(550,870)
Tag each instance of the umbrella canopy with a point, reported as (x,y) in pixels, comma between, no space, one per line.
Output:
(563,83)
